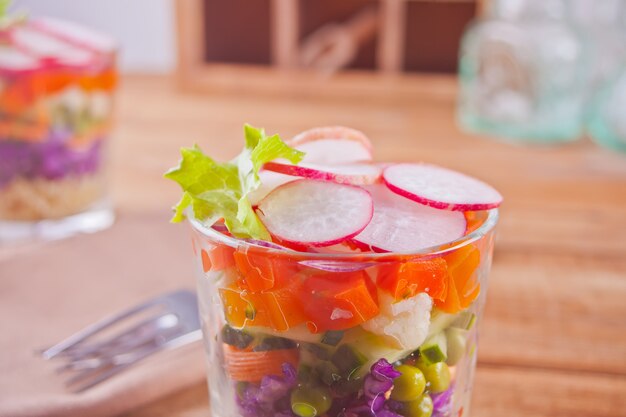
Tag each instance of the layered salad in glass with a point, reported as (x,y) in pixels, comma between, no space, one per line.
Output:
(56,85)
(331,285)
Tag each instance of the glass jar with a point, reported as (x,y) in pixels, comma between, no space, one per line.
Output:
(606,122)
(291,333)
(603,25)
(523,73)
(56,101)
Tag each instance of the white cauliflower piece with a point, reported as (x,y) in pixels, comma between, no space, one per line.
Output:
(404,323)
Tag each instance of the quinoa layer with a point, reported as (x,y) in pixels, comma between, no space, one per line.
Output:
(25,199)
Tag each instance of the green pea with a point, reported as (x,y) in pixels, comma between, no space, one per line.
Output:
(410,385)
(419,408)
(308,401)
(437,375)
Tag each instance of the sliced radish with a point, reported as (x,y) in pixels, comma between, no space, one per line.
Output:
(331,132)
(269,181)
(316,213)
(46,47)
(334,151)
(333,145)
(440,187)
(14,61)
(75,34)
(343,174)
(400,225)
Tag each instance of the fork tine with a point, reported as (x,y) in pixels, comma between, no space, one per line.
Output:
(90,362)
(80,365)
(94,328)
(136,336)
(92,377)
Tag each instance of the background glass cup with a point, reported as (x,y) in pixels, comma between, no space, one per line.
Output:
(56,102)
(290,333)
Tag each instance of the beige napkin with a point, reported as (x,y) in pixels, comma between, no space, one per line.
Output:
(51,291)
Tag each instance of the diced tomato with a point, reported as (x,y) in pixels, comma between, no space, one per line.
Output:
(463,284)
(103,81)
(279,309)
(339,300)
(474,220)
(206,261)
(45,83)
(218,258)
(261,272)
(235,307)
(406,279)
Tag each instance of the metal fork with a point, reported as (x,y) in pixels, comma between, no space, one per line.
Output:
(109,346)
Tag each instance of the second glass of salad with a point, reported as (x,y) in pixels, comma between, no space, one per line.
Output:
(57,82)
(330,285)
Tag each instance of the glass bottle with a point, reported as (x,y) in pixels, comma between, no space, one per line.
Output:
(523,73)
(606,122)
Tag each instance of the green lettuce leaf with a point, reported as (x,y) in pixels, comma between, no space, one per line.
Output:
(216,190)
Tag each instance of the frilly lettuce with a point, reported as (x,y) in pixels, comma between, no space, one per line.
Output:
(219,190)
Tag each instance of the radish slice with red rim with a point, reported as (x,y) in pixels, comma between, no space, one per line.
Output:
(316,213)
(15,61)
(269,181)
(333,145)
(48,48)
(343,174)
(440,187)
(74,34)
(400,225)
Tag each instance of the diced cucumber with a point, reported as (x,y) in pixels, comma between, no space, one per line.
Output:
(457,343)
(434,349)
(328,372)
(274,343)
(440,321)
(318,351)
(235,337)
(348,360)
(298,334)
(465,321)
(373,347)
(332,337)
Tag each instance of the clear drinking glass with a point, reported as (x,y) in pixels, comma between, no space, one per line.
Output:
(289,333)
(56,101)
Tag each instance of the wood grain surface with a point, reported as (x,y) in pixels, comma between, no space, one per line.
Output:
(553,339)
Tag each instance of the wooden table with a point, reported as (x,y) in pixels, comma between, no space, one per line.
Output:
(553,341)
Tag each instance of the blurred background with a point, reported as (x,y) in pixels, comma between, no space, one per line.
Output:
(527,95)
(148,47)
(529,71)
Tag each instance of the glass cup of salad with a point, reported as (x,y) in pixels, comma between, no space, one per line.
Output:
(333,286)
(57,81)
